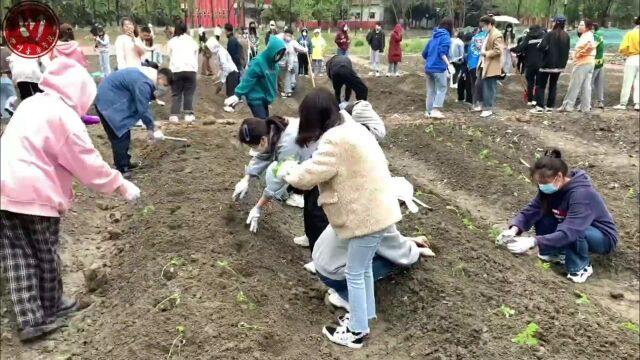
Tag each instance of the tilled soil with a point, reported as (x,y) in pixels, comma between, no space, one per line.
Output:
(182,257)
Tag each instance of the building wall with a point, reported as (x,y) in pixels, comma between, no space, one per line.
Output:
(371,13)
(209,13)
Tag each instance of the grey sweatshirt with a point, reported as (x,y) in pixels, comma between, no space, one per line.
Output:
(285,149)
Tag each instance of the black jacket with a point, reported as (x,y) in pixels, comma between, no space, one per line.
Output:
(376,40)
(340,72)
(528,48)
(555,48)
(235,50)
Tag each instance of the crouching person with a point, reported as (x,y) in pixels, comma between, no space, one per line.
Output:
(570,219)
(42,151)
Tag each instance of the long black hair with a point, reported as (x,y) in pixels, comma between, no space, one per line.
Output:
(253,30)
(511,36)
(318,112)
(252,130)
(548,167)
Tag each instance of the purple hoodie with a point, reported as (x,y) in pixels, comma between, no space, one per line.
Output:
(576,206)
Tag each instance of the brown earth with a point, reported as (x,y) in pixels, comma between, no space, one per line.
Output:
(244,296)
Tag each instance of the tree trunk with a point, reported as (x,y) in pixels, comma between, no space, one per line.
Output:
(117,11)
(518,10)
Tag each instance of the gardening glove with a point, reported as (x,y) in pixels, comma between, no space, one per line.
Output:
(241,189)
(231,101)
(252,219)
(129,190)
(160,102)
(507,236)
(521,244)
(158,135)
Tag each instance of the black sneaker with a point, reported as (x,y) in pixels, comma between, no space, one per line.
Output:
(67,307)
(35,332)
(345,337)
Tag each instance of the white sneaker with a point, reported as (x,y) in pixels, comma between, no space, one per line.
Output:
(310,267)
(436,114)
(295,200)
(377,74)
(337,301)
(397,74)
(189,118)
(229,109)
(476,108)
(454,86)
(174,119)
(371,73)
(582,275)
(486,113)
(343,336)
(301,241)
(548,110)
(556,259)
(530,103)
(537,110)
(344,320)
(620,107)
(388,75)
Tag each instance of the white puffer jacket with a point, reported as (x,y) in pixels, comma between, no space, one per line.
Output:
(23,69)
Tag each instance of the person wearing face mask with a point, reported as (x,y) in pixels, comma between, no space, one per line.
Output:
(273,30)
(259,83)
(570,218)
(509,42)
(303,58)
(318,44)
(229,74)
(395,50)
(491,64)
(375,39)
(342,39)
(273,140)
(289,64)
(233,46)
(254,40)
(584,63)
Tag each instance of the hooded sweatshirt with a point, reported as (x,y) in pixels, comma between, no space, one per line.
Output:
(259,83)
(529,49)
(555,48)
(71,50)
(342,38)
(576,206)
(437,47)
(317,45)
(227,66)
(44,150)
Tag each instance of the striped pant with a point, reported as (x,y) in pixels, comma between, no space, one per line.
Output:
(30,262)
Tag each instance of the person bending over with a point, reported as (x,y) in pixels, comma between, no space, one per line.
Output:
(340,72)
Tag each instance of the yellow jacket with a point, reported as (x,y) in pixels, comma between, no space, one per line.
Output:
(318,44)
(631,43)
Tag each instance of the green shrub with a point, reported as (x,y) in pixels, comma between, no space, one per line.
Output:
(358,43)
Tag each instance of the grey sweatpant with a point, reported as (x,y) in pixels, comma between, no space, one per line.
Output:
(580,85)
(598,84)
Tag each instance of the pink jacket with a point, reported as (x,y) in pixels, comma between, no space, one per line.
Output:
(71,50)
(46,145)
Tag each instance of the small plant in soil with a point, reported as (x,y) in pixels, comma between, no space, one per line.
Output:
(244,325)
(225,265)
(169,302)
(459,270)
(468,223)
(582,299)
(148,210)
(244,301)
(172,265)
(506,311)
(484,154)
(631,194)
(454,209)
(630,326)
(507,170)
(543,265)
(527,336)
(493,234)
(524,178)
(430,130)
(179,340)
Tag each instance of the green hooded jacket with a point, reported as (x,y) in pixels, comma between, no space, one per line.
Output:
(597,36)
(259,83)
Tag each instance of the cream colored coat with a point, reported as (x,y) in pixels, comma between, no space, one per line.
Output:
(352,174)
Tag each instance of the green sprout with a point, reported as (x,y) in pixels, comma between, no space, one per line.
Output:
(524,178)
(175,262)
(225,265)
(582,299)
(148,210)
(484,154)
(507,170)
(506,311)
(468,223)
(178,340)
(493,234)
(430,130)
(459,270)
(527,336)
(243,300)
(543,265)
(633,327)
(175,298)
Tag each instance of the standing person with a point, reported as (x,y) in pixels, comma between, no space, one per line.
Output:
(151,52)
(254,39)
(68,47)
(376,40)
(129,47)
(259,84)
(346,151)
(245,48)
(509,41)
(205,67)
(436,68)
(492,67)
(630,48)
(570,218)
(456,57)
(465,82)
(342,39)
(532,54)
(102,44)
(395,50)
(123,99)
(229,74)
(340,72)
(290,62)
(475,70)
(233,46)
(318,44)
(583,64)
(555,48)
(598,78)
(303,58)
(47,150)
(273,30)
(26,74)
(519,56)
(183,52)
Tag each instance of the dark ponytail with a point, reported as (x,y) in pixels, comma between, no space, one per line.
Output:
(252,130)
(548,167)
(277,125)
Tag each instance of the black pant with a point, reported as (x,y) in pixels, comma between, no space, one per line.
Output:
(351,81)
(458,67)
(315,220)
(303,63)
(541,85)
(183,88)
(27,89)
(233,80)
(466,83)
(532,75)
(119,146)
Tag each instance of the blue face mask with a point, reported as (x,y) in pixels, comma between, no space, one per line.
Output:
(548,188)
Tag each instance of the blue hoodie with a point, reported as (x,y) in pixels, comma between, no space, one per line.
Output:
(576,206)
(437,47)
(475,47)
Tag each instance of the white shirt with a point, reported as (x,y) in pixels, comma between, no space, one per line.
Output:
(126,53)
(23,69)
(184,53)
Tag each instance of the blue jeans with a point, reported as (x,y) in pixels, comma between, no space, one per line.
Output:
(105,65)
(436,90)
(290,79)
(489,92)
(119,146)
(6,91)
(380,266)
(342,52)
(359,274)
(259,110)
(576,253)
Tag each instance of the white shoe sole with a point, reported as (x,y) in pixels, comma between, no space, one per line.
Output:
(301,241)
(338,301)
(310,267)
(333,340)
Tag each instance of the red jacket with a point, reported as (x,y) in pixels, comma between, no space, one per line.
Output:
(395,44)
(342,38)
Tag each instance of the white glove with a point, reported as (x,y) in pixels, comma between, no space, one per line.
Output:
(343,105)
(241,189)
(160,102)
(521,244)
(252,219)
(158,135)
(231,101)
(507,236)
(129,190)
(451,69)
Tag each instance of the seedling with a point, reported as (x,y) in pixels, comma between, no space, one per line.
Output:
(225,265)
(244,325)
(537,156)
(175,262)
(494,233)
(468,223)
(430,130)
(178,340)
(484,154)
(632,193)
(459,270)
(454,209)
(507,170)
(244,301)
(175,298)
(148,210)
(543,265)
(419,231)
(527,336)
(582,299)
(524,178)
(633,327)
(506,311)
